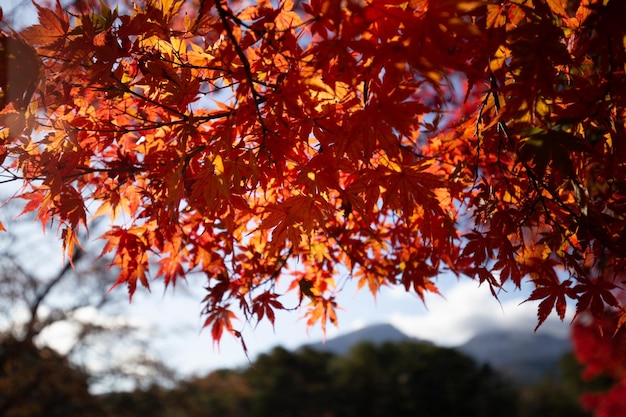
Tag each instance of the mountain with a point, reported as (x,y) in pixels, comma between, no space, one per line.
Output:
(523,357)
(376,334)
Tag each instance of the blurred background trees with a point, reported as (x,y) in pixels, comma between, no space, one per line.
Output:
(399,379)
(62,333)
(39,382)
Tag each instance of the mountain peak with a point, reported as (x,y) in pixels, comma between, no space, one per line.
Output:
(376,334)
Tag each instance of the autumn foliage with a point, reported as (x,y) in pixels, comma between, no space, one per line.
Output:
(384,142)
(602,355)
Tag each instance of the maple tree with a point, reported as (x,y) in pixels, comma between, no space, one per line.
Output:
(272,141)
(601,351)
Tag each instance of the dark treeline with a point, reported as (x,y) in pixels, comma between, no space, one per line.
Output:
(404,379)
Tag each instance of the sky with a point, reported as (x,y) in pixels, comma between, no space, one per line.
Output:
(172,322)
(464,310)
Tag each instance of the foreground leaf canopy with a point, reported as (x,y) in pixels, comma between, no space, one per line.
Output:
(314,142)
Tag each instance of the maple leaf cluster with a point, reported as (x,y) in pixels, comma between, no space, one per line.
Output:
(600,349)
(380,141)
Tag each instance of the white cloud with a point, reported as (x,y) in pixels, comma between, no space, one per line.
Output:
(63,335)
(357,324)
(468,309)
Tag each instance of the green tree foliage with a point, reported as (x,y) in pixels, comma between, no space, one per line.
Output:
(407,379)
(301,383)
(403,379)
(223,393)
(389,380)
(556,397)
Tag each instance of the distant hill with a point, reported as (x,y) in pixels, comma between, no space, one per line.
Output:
(524,357)
(376,334)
